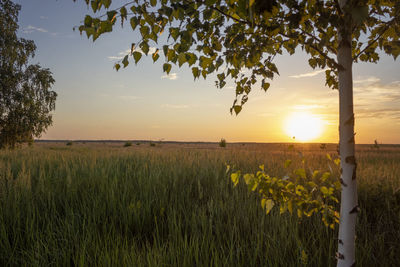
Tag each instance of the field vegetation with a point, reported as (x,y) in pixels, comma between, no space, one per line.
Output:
(174,205)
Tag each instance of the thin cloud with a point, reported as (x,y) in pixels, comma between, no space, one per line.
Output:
(375,99)
(174,106)
(123,97)
(122,54)
(43,17)
(308,74)
(115,57)
(378,113)
(377,92)
(367,80)
(171,76)
(129,97)
(31,29)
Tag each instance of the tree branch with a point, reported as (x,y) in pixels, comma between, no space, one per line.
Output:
(225,14)
(337,5)
(333,50)
(388,24)
(317,49)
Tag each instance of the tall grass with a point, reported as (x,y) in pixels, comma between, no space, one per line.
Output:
(99,205)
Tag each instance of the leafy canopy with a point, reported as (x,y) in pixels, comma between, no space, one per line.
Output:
(239,39)
(25,98)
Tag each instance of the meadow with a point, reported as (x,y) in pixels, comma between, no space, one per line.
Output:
(173,204)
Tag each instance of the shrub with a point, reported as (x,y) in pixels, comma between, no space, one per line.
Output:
(127,144)
(69,144)
(152,144)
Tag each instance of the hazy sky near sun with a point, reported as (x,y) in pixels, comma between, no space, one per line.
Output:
(141,102)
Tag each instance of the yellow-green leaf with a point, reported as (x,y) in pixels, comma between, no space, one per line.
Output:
(269,205)
(235,178)
(137,56)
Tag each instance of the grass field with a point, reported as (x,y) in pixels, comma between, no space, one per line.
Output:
(103,204)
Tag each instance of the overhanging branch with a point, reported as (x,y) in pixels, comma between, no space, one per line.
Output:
(383,31)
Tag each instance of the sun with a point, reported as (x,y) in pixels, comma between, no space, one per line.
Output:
(303,126)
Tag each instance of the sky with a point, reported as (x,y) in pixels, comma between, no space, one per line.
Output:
(142,103)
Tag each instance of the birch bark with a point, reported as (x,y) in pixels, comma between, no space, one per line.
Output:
(348,206)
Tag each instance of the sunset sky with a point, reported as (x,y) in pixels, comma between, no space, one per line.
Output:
(141,102)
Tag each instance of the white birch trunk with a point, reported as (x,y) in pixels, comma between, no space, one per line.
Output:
(348,203)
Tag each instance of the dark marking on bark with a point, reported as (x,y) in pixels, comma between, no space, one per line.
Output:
(342,182)
(350,160)
(353,265)
(339,256)
(353,177)
(341,170)
(350,121)
(355,210)
(351,140)
(340,241)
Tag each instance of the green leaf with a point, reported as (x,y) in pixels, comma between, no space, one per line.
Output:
(269,204)
(165,50)
(145,47)
(134,22)
(153,2)
(287,163)
(181,59)
(265,85)
(117,66)
(174,33)
(196,72)
(144,31)
(167,67)
(325,176)
(123,12)
(125,61)
(237,109)
(290,206)
(155,55)
(111,15)
(301,172)
(106,3)
(171,55)
(137,56)
(299,190)
(324,190)
(88,21)
(235,178)
(192,59)
(94,5)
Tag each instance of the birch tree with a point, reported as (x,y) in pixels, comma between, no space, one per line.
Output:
(26,101)
(239,40)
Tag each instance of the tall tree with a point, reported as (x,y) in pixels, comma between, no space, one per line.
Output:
(25,96)
(229,36)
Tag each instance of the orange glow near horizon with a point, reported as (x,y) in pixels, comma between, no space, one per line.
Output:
(303,126)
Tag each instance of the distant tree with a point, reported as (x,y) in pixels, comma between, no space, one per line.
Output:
(25,98)
(222,142)
(239,39)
